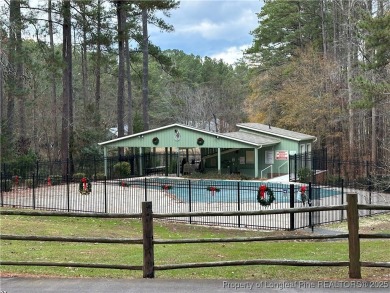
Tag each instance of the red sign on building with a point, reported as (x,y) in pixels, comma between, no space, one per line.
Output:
(281,155)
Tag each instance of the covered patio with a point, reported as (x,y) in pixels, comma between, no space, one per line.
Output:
(250,151)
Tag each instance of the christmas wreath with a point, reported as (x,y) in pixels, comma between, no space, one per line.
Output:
(213,188)
(166,187)
(123,184)
(265,195)
(155,140)
(200,141)
(85,187)
(303,196)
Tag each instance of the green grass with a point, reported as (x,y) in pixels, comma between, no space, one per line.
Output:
(371,250)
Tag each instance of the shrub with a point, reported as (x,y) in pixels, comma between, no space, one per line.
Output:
(55,179)
(304,175)
(122,169)
(78,176)
(6,185)
(29,183)
(100,176)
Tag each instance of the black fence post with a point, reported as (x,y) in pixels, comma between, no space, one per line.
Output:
(105,195)
(33,190)
(167,164)
(238,203)
(311,225)
(145,189)
(369,191)
(2,186)
(342,199)
(37,169)
(68,192)
(292,201)
(190,199)
(148,245)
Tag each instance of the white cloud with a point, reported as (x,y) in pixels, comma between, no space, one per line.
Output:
(214,28)
(231,27)
(231,54)
(206,28)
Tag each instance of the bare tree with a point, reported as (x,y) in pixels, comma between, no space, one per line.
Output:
(15,82)
(129,90)
(121,17)
(52,77)
(145,68)
(67,87)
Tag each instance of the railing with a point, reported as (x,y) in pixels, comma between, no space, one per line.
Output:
(261,172)
(280,167)
(148,240)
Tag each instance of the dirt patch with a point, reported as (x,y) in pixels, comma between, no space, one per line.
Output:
(374,224)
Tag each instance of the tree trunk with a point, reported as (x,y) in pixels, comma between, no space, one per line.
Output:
(53,80)
(2,75)
(19,92)
(12,83)
(323,29)
(129,91)
(98,61)
(84,64)
(121,16)
(349,48)
(66,84)
(145,75)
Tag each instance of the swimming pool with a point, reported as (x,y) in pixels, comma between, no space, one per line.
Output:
(228,191)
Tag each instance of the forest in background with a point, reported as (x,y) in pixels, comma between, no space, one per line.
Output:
(71,70)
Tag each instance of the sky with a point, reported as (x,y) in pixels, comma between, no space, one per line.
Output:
(215,28)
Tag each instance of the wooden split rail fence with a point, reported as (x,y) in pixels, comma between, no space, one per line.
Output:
(148,241)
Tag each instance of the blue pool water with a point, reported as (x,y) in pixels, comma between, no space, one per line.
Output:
(232,191)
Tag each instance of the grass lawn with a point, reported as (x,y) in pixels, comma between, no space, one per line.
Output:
(125,254)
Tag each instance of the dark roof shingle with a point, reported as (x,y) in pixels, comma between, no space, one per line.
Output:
(271,130)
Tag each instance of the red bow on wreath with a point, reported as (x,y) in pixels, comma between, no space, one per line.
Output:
(84,181)
(262,190)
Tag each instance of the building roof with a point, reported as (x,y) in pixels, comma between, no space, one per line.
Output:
(213,138)
(274,131)
(249,135)
(257,139)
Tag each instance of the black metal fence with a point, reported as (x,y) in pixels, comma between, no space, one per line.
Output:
(91,167)
(318,168)
(171,195)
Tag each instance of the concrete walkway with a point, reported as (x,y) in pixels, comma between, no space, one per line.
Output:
(62,285)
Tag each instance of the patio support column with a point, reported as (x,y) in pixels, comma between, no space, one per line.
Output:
(167,163)
(140,161)
(178,163)
(219,160)
(256,162)
(171,158)
(105,160)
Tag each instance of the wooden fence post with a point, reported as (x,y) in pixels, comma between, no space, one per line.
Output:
(292,205)
(353,236)
(148,248)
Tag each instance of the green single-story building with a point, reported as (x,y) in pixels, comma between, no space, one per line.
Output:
(255,150)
